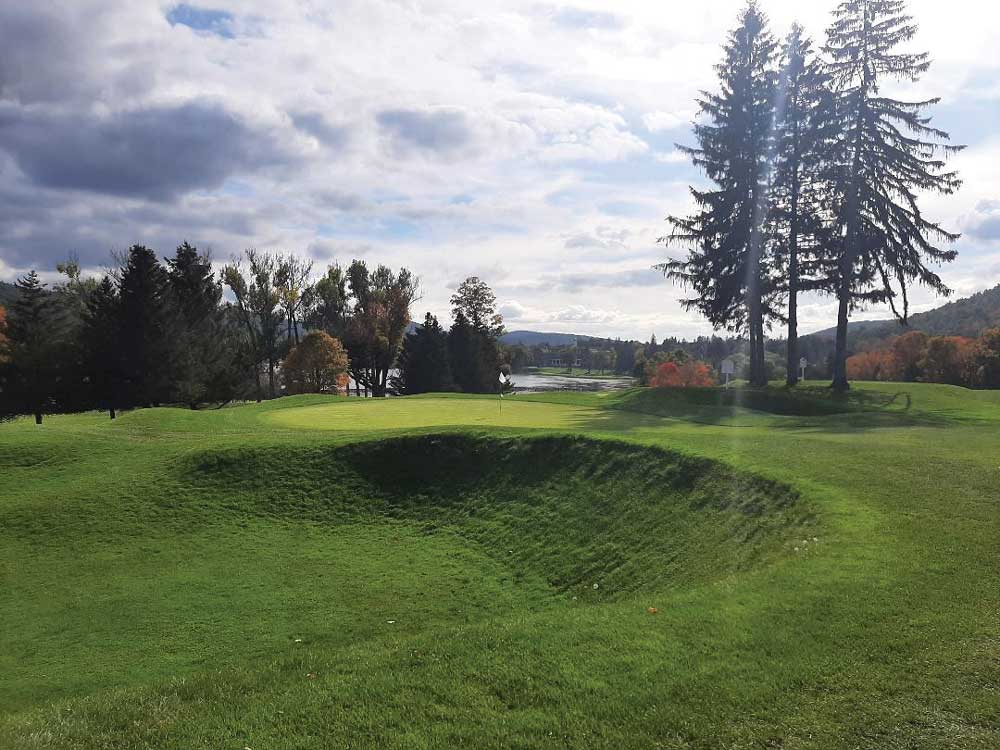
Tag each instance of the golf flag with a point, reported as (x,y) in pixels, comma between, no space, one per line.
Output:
(504,382)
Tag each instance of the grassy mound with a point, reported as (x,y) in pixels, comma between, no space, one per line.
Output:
(575,514)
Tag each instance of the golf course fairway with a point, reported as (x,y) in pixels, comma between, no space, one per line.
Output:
(639,569)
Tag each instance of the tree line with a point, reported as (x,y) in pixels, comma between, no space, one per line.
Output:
(814,176)
(917,357)
(152,332)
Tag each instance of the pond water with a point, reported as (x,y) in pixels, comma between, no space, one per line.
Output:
(524,383)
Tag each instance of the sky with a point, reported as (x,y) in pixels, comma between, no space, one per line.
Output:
(529,143)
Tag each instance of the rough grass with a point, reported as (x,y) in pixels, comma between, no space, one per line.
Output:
(240,578)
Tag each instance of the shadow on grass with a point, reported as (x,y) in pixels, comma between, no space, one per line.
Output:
(817,409)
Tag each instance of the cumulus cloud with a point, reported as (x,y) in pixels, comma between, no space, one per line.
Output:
(984,222)
(319,127)
(440,131)
(159,152)
(659,121)
(528,141)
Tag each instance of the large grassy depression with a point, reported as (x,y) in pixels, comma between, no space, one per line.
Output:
(431,572)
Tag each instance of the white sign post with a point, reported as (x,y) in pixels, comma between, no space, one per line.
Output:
(728,368)
(803,363)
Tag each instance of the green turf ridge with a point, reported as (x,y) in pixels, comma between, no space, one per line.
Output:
(172,579)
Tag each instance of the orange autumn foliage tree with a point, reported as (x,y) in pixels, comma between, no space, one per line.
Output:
(950,360)
(874,365)
(690,374)
(318,364)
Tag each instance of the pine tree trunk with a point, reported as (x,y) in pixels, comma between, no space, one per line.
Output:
(840,353)
(758,376)
(792,369)
(851,243)
(270,376)
(38,417)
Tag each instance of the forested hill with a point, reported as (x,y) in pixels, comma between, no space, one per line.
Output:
(534,338)
(7,293)
(963,317)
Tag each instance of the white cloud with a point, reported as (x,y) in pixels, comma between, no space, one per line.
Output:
(657,121)
(525,142)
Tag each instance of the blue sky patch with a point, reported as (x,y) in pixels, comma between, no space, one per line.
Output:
(207,20)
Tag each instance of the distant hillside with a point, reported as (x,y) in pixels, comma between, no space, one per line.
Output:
(963,317)
(534,338)
(7,293)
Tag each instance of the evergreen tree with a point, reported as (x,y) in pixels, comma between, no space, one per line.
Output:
(100,337)
(198,324)
(424,365)
(31,378)
(145,327)
(725,265)
(888,153)
(70,300)
(802,181)
(466,355)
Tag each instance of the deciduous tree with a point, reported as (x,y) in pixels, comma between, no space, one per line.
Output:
(378,322)
(257,301)
(474,339)
(318,364)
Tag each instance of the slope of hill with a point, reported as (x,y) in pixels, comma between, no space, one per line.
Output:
(7,293)
(964,317)
(533,338)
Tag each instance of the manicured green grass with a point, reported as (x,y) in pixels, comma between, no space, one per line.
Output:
(420,573)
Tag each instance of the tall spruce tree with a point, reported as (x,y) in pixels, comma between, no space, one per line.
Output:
(725,265)
(145,327)
(799,228)
(888,154)
(198,325)
(424,365)
(100,336)
(32,375)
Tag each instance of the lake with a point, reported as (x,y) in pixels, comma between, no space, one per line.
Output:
(524,383)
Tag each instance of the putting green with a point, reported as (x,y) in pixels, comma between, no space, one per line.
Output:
(397,414)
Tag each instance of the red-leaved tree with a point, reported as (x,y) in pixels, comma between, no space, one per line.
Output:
(690,374)
(877,364)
